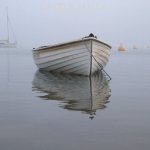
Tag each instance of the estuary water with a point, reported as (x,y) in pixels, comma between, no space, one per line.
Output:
(48,111)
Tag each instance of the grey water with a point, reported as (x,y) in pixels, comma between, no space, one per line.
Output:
(48,111)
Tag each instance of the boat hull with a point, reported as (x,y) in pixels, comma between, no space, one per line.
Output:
(83,57)
(7,44)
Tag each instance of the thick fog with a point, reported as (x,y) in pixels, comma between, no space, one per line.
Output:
(41,22)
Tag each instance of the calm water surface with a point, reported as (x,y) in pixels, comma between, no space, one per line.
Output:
(45,111)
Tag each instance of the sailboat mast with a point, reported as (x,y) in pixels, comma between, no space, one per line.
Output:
(7,24)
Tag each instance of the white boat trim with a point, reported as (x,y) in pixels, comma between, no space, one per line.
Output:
(68,43)
(73,57)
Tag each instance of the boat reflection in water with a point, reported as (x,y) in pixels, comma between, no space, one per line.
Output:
(78,93)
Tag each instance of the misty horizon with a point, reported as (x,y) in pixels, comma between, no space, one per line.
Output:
(40,22)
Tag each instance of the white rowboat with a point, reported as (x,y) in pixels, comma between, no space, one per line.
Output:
(84,57)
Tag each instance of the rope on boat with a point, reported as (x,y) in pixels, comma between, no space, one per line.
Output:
(101,67)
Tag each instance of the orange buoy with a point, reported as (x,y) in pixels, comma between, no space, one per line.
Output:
(121,48)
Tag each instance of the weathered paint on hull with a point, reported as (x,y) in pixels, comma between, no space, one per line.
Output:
(82,57)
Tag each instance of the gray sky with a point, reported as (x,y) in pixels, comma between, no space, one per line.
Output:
(41,22)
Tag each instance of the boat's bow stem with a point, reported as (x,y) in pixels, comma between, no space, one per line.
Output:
(101,67)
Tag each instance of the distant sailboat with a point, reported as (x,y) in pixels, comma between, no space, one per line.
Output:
(6,43)
(121,48)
